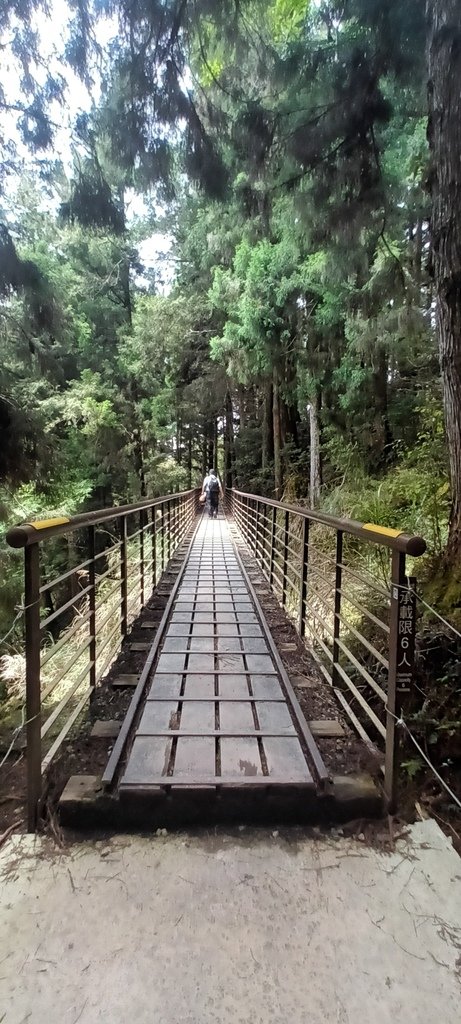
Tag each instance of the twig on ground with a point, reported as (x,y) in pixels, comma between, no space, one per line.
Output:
(81,1011)
(73,886)
(9,831)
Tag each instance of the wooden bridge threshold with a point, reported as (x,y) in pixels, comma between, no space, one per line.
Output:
(214,716)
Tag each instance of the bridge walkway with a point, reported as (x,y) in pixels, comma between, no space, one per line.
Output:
(219,710)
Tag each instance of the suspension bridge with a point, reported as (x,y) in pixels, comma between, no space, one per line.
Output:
(213,729)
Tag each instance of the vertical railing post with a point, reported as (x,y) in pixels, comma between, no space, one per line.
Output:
(337,608)
(257,544)
(169,529)
(154,545)
(92,602)
(285,556)
(273,536)
(401,667)
(265,539)
(303,576)
(163,535)
(142,523)
(172,526)
(33,699)
(123,577)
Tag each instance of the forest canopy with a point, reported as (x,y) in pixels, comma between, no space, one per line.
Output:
(222,239)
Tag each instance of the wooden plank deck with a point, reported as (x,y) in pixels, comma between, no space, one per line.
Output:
(217,713)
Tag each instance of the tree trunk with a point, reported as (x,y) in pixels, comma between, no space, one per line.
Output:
(290,414)
(210,447)
(315,465)
(138,461)
(241,404)
(189,458)
(178,440)
(251,405)
(267,447)
(205,466)
(215,445)
(277,437)
(229,446)
(381,453)
(138,449)
(444,135)
(125,280)
(418,253)
(289,423)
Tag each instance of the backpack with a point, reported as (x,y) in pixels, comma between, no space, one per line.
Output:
(213,485)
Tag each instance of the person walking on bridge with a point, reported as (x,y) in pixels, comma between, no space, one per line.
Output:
(212,491)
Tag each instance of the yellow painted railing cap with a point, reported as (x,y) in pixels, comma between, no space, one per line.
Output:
(385,531)
(43,524)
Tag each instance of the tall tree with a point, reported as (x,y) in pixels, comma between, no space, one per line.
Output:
(444,133)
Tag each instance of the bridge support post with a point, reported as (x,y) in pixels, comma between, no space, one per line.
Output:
(285,557)
(172,526)
(33,700)
(272,552)
(245,519)
(337,612)
(162,529)
(303,576)
(92,603)
(123,577)
(154,546)
(142,525)
(168,526)
(401,668)
(265,546)
(256,542)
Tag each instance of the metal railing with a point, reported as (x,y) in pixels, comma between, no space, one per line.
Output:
(340,579)
(75,621)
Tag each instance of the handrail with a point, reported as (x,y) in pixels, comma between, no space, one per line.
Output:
(24,534)
(160,525)
(397,540)
(349,661)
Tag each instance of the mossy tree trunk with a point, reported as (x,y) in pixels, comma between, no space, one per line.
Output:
(444,134)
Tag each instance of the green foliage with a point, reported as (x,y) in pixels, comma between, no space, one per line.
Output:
(412,767)
(168,477)
(259,299)
(286,18)
(286,143)
(413,495)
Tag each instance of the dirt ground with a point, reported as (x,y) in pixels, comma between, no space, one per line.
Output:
(261,926)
